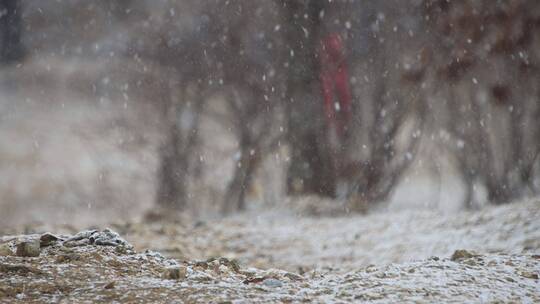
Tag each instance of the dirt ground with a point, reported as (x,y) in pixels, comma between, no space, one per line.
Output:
(490,256)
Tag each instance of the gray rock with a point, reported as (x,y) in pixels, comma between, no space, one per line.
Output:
(107,237)
(76,243)
(29,248)
(272,283)
(5,250)
(82,235)
(48,239)
(175,273)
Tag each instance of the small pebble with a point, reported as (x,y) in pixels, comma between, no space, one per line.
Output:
(175,273)
(529,275)
(461,254)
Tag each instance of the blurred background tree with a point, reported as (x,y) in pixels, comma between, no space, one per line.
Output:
(11,48)
(338,99)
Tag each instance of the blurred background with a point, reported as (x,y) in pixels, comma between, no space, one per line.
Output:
(109,109)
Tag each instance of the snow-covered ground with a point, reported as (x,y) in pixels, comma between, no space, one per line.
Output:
(298,243)
(378,258)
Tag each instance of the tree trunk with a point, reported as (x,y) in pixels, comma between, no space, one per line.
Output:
(172,193)
(235,198)
(177,150)
(311,168)
(11,49)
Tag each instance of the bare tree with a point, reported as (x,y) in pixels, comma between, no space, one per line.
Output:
(491,111)
(180,49)
(220,51)
(176,152)
(250,60)
(320,161)
(392,143)
(254,121)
